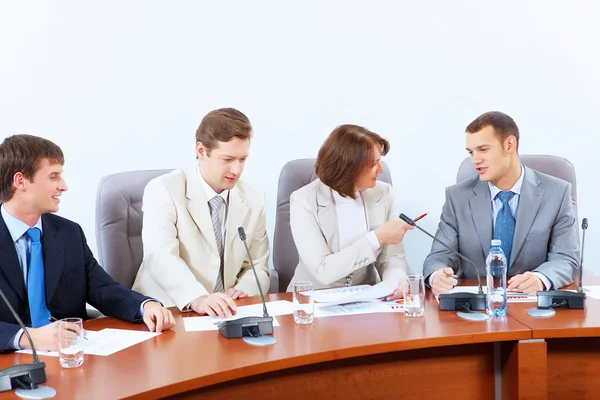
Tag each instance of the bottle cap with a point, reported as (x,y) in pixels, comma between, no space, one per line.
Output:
(496,242)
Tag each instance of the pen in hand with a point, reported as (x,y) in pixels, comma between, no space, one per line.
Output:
(52,319)
(450,276)
(420,217)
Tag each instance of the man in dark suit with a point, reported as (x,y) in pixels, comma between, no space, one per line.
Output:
(47,270)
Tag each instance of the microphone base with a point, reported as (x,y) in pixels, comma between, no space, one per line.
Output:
(246,327)
(26,374)
(560,299)
(462,301)
(40,392)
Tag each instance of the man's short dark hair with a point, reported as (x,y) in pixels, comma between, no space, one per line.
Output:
(504,126)
(23,153)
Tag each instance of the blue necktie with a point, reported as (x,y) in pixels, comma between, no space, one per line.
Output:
(36,282)
(505,225)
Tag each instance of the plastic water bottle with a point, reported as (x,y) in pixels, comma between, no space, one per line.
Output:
(496,280)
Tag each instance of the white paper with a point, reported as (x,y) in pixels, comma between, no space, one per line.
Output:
(208,323)
(326,310)
(105,342)
(592,291)
(329,295)
(512,297)
(382,289)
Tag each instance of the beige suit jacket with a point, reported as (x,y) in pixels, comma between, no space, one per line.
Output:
(314,226)
(181,259)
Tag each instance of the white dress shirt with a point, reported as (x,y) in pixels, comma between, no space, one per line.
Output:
(352,221)
(210,194)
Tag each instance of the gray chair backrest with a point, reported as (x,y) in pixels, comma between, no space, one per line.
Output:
(119,223)
(294,175)
(550,165)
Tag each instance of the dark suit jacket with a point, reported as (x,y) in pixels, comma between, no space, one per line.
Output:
(73,277)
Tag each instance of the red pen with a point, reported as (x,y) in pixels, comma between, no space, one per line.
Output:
(420,216)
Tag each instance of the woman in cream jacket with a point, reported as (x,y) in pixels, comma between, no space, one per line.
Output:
(345,223)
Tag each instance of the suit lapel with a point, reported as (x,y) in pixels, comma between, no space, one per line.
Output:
(374,210)
(529,205)
(9,261)
(327,216)
(197,206)
(481,210)
(237,211)
(54,256)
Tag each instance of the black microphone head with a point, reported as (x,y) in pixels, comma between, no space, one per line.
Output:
(584,223)
(242,233)
(407,220)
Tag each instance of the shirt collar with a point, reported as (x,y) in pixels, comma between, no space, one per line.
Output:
(16,227)
(209,191)
(516,189)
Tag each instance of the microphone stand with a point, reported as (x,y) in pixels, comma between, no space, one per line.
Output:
(464,302)
(252,330)
(25,377)
(548,300)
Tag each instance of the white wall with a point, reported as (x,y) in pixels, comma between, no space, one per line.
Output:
(123,86)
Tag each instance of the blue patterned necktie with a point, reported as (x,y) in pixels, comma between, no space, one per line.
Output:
(505,225)
(36,282)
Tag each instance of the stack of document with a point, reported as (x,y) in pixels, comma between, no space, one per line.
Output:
(354,294)
(592,291)
(106,342)
(363,299)
(511,296)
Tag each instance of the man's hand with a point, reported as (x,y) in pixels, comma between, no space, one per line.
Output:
(527,282)
(443,282)
(45,337)
(215,305)
(392,232)
(157,317)
(235,294)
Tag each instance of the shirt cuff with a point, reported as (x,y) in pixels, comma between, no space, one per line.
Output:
(544,279)
(16,340)
(144,303)
(373,241)
(430,280)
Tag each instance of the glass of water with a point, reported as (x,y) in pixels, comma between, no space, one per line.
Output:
(304,302)
(414,296)
(70,342)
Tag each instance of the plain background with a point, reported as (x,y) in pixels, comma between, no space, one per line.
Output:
(123,86)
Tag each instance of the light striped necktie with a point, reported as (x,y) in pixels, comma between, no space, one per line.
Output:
(215,206)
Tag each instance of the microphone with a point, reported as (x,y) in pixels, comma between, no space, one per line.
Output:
(584,225)
(252,329)
(551,299)
(25,376)
(456,301)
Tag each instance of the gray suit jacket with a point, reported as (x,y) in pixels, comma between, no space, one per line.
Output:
(314,224)
(545,237)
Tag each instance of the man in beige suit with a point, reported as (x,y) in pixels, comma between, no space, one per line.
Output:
(193,257)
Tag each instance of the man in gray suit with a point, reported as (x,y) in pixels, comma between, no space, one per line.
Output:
(530,212)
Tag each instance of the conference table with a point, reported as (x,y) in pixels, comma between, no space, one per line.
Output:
(368,356)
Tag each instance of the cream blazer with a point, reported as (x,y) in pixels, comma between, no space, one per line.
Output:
(181,259)
(314,226)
